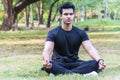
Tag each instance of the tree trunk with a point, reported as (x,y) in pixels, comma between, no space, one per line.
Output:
(50,13)
(105,10)
(98,13)
(40,12)
(114,16)
(27,9)
(83,14)
(31,17)
(55,14)
(10,17)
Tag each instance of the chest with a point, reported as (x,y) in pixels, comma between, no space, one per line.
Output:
(68,38)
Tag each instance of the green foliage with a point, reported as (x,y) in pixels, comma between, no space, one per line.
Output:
(1,15)
(1,11)
(87,4)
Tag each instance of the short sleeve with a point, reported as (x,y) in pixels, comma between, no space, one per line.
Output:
(85,36)
(50,36)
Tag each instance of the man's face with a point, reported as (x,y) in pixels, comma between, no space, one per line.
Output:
(67,15)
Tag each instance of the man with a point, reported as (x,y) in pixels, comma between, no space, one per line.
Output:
(64,42)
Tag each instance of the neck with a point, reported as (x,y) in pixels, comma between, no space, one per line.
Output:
(67,27)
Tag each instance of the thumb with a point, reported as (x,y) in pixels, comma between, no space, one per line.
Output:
(47,61)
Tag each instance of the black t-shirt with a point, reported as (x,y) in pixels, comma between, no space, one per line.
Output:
(67,43)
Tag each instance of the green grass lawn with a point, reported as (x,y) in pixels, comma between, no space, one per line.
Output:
(21,59)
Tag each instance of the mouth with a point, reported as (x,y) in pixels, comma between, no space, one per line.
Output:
(69,20)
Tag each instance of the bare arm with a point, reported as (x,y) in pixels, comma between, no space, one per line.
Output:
(87,45)
(48,48)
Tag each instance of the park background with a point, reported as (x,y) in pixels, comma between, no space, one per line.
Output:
(24,25)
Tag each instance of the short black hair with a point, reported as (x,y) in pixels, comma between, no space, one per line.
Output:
(66,5)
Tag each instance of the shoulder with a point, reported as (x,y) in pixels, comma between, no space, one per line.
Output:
(52,34)
(55,30)
(79,30)
(82,34)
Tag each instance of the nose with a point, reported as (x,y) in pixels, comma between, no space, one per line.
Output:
(68,15)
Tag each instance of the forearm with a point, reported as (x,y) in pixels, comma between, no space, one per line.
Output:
(46,56)
(94,54)
(46,62)
(91,50)
(48,50)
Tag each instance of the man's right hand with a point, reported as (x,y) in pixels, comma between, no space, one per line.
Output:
(47,64)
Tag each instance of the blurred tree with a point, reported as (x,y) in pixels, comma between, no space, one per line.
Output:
(27,12)
(40,11)
(46,11)
(11,11)
(113,9)
(50,13)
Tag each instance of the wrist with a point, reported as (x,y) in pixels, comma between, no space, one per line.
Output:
(100,60)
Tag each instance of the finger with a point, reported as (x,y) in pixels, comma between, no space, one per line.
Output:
(103,64)
(49,64)
(47,61)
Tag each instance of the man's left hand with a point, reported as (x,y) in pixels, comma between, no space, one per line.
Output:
(102,64)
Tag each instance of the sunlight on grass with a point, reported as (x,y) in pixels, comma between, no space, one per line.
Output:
(31,34)
(27,41)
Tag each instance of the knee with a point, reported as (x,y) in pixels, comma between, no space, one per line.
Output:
(53,63)
(94,63)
